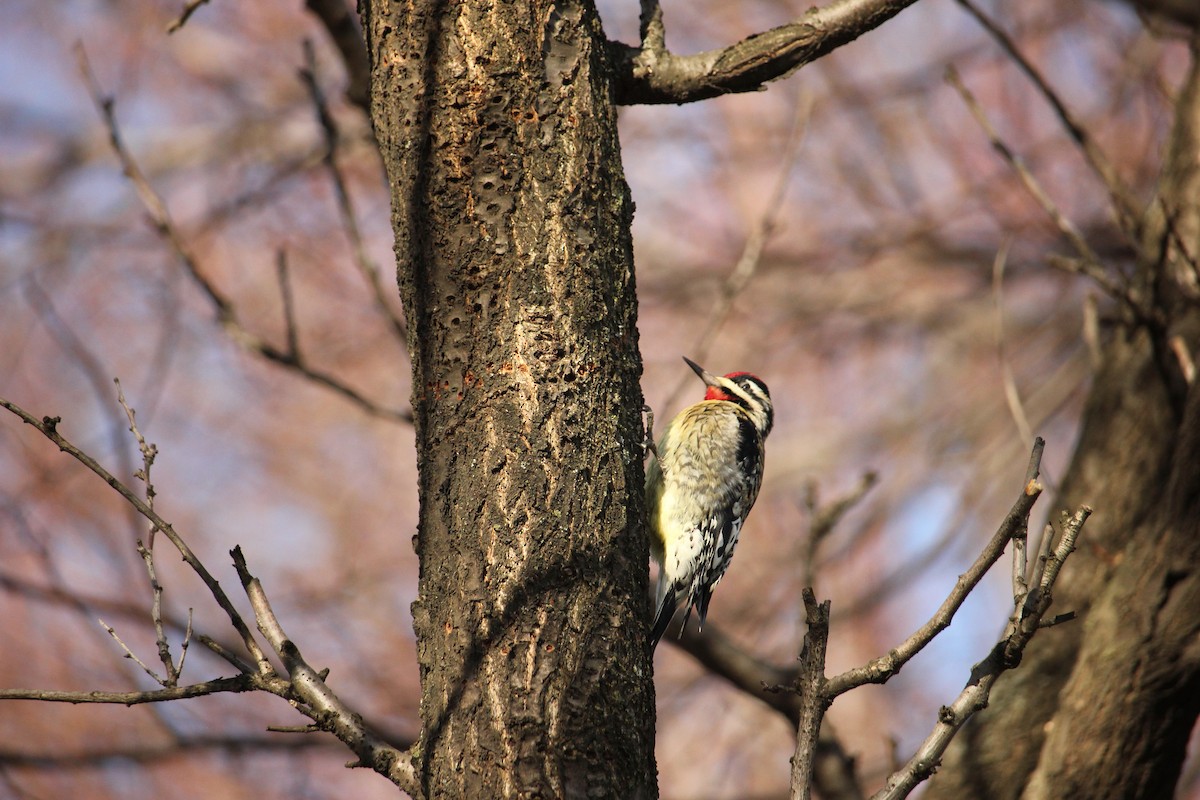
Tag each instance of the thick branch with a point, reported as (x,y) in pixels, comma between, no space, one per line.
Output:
(648,75)
(814,701)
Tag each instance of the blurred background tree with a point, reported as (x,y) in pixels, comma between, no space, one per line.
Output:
(893,337)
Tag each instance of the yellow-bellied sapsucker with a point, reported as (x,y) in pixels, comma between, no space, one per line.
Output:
(700,488)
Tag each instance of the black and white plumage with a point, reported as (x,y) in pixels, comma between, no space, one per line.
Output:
(700,488)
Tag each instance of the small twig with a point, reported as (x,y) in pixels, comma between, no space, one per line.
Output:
(1123,199)
(823,519)
(133,656)
(149,452)
(1045,547)
(344,29)
(222,651)
(1058,619)
(1005,655)
(235,684)
(225,311)
(48,427)
(1089,263)
(310,728)
(288,301)
(747,264)
(1011,394)
(189,8)
(1020,566)
(1173,234)
(183,645)
(368,268)
(1187,365)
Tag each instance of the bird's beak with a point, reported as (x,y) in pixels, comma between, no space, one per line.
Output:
(704,374)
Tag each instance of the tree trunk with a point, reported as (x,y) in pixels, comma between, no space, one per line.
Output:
(512,218)
(1101,708)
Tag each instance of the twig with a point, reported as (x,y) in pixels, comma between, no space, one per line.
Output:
(224,309)
(1089,262)
(132,656)
(368,268)
(235,684)
(1170,222)
(93,368)
(823,519)
(189,8)
(347,36)
(48,427)
(1005,655)
(323,706)
(1122,198)
(881,669)
(292,337)
(747,264)
(146,551)
(1011,394)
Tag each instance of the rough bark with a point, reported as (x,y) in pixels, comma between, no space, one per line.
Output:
(512,218)
(1102,709)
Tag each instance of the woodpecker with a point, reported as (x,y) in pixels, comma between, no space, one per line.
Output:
(700,488)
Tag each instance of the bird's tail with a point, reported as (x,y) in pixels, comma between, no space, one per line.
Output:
(666,611)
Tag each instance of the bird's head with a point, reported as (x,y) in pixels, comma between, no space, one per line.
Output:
(742,388)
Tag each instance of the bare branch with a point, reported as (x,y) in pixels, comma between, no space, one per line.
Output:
(650,74)
(368,269)
(1004,656)
(814,700)
(224,308)
(347,37)
(880,669)
(292,336)
(747,264)
(834,768)
(132,656)
(1011,395)
(1123,199)
(235,684)
(146,551)
(323,706)
(48,427)
(189,8)
(1088,262)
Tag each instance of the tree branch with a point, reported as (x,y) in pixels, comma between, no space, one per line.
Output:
(323,706)
(651,74)
(235,684)
(814,700)
(1005,655)
(48,427)
(881,669)
(347,37)
(223,307)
